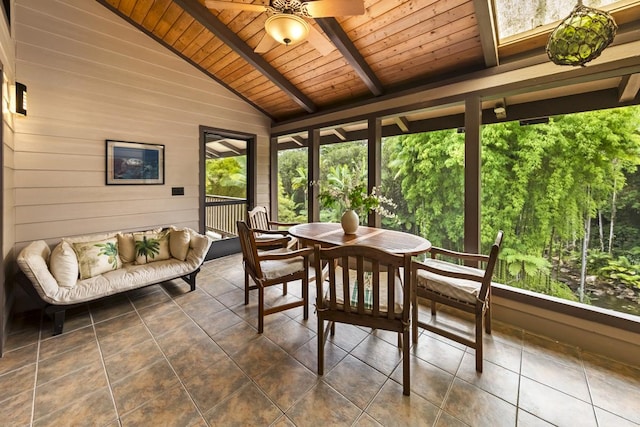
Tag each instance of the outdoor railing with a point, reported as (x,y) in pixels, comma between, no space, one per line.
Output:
(222,212)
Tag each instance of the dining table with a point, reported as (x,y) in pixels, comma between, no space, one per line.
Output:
(328,234)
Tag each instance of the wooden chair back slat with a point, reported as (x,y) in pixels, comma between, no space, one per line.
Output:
(361,271)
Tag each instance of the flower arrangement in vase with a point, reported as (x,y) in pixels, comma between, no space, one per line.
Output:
(345,190)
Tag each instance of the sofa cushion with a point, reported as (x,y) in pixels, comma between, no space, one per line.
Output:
(179,243)
(126,247)
(151,246)
(97,257)
(63,264)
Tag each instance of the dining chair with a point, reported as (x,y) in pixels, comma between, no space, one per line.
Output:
(258,220)
(372,291)
(273,267)
(459,286)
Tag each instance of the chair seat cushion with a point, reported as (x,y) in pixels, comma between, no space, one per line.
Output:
(368,292)
(272,269)
(460,289)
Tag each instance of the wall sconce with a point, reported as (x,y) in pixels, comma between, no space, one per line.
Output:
(21,99)
(500,111)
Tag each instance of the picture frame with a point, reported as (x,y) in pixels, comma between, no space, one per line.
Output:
(134,163)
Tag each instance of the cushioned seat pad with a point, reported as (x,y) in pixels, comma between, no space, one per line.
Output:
(460,289)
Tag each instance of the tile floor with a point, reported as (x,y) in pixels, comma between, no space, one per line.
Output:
(165,356)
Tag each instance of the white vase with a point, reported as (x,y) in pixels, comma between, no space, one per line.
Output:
(350,222)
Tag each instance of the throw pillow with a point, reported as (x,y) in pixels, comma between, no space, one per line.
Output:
(64,265)
(126,247)
(151,246)
(179,243)
(97,257)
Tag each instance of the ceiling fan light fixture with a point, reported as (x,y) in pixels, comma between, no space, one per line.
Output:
(287,28)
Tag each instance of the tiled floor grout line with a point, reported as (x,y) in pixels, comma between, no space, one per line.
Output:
(153,337)
(534,348)
(35,379)
(104,367)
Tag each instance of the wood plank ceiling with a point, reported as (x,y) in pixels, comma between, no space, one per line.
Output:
(395,44)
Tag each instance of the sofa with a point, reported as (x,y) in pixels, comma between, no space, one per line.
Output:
(81,269)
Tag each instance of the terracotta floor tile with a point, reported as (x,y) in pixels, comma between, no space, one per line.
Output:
(247,407)
(18,358)
(259,356)
(427,380)
(526,419)
(17,381)
(63,391)
(308,355)
(323,405)
(63,364)
(554,406)
(215,382)
(392,408)
(549,371)
(495,379)
(68,341)
(173,407)
(132,359)
(356,381)
(474,406)
(446,420)
(96,406)
(162,355)
(15,410)
(439,353)
(143,385)
(379,354)
(110,307)
(286,393)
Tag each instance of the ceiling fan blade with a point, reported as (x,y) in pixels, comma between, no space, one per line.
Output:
(320,42)
(266,44)
(219,5)
(327,8)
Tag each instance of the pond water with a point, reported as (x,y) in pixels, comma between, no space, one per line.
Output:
(614,303)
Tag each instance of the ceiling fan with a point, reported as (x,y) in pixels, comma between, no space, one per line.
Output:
(286,23)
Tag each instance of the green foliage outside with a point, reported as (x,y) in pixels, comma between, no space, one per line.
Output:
(547,186)
(227,176)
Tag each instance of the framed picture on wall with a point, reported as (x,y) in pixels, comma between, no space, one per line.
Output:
(134,163)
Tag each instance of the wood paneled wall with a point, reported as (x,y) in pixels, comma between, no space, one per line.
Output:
(91,76)
(7,58)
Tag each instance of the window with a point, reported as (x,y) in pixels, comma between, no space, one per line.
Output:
(293,185)
(516,16)
(424,174)
(566,194)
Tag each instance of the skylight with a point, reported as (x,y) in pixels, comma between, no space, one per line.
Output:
(515,17)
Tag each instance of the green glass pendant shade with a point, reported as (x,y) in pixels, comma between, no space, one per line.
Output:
(581,37)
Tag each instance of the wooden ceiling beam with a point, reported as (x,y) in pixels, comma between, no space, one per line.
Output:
(200,13)
(300,141)
(231,147)
(341,40)
(402,123)
(487,29)
(629,87)
(340,133)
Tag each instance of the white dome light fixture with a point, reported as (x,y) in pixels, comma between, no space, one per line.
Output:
(287,28)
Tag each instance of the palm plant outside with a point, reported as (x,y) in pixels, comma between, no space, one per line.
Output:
(560,191)
(147,247)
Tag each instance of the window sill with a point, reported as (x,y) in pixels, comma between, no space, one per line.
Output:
(602,316)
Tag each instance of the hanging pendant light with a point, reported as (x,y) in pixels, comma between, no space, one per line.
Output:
(581,37)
